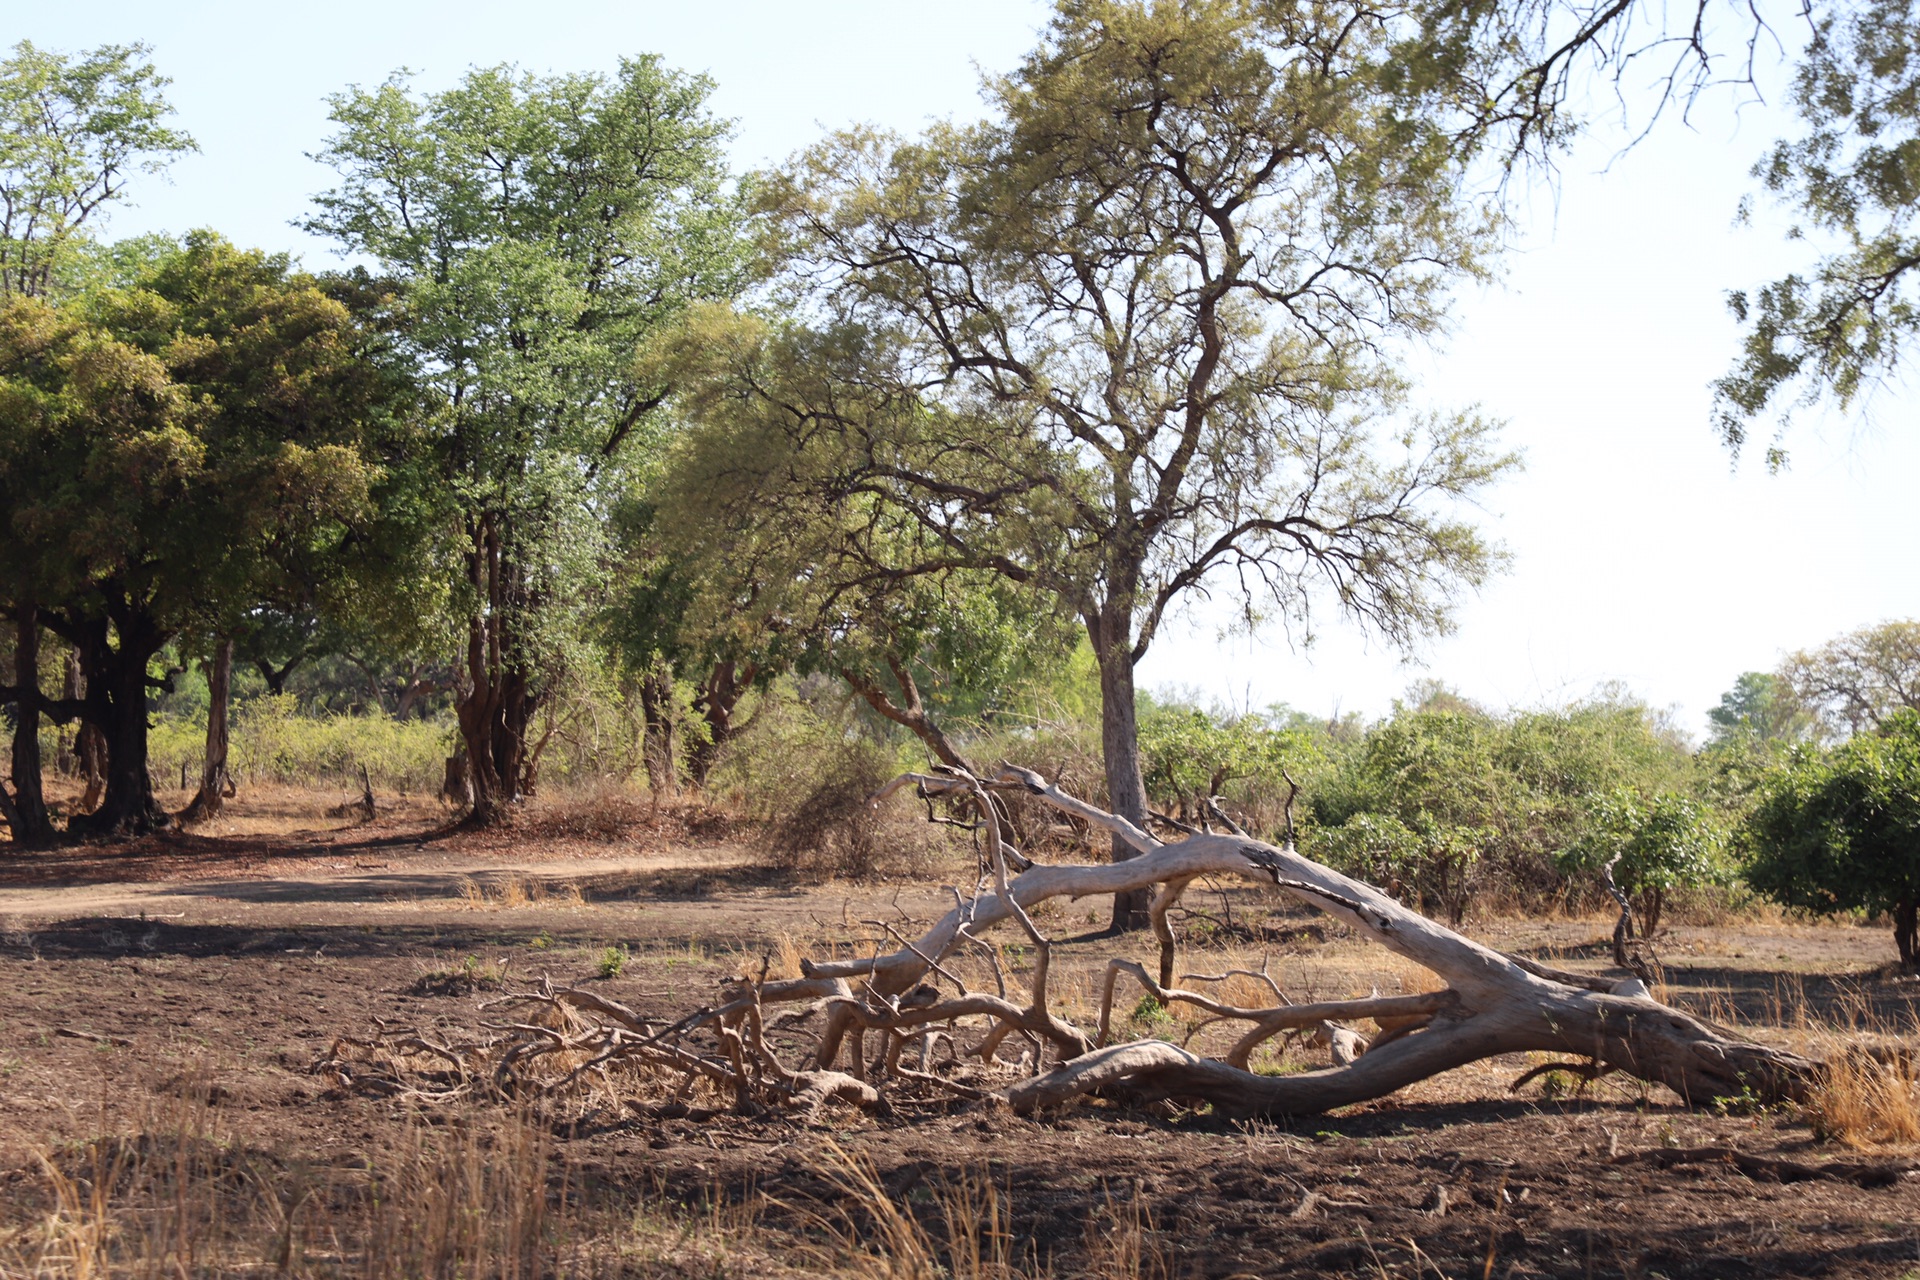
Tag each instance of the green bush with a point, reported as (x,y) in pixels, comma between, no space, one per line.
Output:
(1657,845)
(1840,831)
(273,742)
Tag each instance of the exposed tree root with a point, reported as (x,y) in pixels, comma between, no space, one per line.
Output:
(913,1000)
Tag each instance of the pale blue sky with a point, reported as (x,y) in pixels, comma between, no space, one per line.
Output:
(1641,554)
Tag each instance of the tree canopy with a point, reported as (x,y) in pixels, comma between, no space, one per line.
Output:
(1130,339)
(171,450)
(73,130)
(539,229)
(1842,832)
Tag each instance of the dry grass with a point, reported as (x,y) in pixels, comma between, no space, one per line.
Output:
(514,893)
(870,1233)
(1863,1102)
(485,1196)
(489,1195)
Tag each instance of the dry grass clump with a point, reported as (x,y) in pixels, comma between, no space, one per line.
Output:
(490,1197)
(462,979)
(966,1233)
(513,893)
(1864,1102)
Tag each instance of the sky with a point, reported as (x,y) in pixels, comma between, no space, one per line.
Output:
(1642,555)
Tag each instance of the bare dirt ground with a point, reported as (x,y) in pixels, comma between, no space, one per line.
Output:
(218,968)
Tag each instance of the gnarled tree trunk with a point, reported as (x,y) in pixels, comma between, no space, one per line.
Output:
(717,699)
(1493,1003)
(216,784)
(114,661)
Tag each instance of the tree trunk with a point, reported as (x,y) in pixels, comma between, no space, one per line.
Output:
(415,694)
(215,782)
(717,698)
(493,722)
(28,816)
(67,758)
(1112,634)
(659,745)
(1906,924)
(496,703)
(116,704)
(90,750)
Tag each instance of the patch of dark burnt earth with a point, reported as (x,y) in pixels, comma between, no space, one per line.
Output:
(1587,1189)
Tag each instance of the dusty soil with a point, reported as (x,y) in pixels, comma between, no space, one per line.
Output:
(224,966)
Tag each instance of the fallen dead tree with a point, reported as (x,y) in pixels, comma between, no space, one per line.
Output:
(854,1028)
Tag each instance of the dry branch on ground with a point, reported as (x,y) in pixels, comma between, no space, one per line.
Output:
(903,1022)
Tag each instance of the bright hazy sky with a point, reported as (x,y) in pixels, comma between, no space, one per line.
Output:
(1641,554)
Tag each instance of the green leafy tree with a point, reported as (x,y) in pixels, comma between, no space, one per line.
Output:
(1449,800)
(539,229)
(1125,341)
(1840,831)
(1418,806)
(168,450)
(1760,708)
(1652,845)
(1189,754)
(73,129)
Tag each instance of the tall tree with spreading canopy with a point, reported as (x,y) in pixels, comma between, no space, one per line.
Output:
(169,447)
(1132,339)
(1852,683)
(73,128)
(540,228)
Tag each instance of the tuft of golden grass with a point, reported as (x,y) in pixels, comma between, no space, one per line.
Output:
(1862,1102)
(967,1235)
(513,893)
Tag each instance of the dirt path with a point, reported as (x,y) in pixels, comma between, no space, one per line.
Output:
(420,879)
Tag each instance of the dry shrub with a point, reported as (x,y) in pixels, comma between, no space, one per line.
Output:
(835,830)
(1863,1102)
(600,809)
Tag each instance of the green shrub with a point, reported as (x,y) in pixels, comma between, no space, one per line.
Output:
(1840,831)
(273,742)
(1662,843)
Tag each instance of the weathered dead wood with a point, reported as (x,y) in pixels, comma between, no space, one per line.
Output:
(1498,1004)
(1491,1004)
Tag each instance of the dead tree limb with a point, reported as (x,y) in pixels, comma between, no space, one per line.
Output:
(1490,1004)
